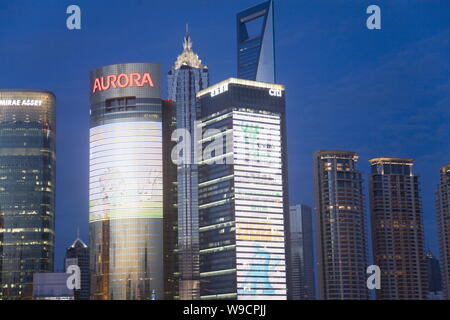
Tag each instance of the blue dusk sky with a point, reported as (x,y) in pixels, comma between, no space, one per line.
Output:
(377,92)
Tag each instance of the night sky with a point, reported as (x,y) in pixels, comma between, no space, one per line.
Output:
(377,92)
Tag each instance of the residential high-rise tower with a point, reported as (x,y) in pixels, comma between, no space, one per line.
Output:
(397,229)
(443,219)
(341,226)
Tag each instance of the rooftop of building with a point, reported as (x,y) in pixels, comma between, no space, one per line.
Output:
(243,82)
(336,154)
(391,160)
(28,90)
(78,243)
(446,167)
(188,56)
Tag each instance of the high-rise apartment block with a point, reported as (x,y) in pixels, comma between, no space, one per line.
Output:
(341,226)
(397,229)
(443,219)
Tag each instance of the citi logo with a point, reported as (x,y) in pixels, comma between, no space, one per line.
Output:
(219,90)
(275,92)
(122,80)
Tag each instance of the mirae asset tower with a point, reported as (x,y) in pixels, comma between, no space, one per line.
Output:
(27,189)
(125,182)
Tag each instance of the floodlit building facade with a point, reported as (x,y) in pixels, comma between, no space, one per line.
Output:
(243,200)
(125,183)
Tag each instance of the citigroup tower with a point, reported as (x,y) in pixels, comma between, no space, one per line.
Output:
(125,182)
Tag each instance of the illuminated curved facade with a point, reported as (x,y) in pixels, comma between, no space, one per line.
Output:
(125,182)
(27,189)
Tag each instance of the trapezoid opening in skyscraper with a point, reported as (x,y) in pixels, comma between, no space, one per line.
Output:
(255,43)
